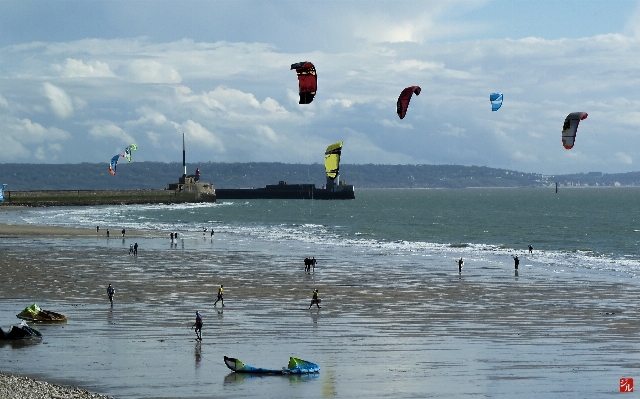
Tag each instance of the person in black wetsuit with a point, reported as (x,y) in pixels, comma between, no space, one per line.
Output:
(516,262)
(198,326)
(110,292)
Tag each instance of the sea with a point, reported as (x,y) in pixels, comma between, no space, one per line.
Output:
(585,244)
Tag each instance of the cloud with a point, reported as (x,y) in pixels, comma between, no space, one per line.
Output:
(395,124)
(78,69)
(110,130)
(265,133)
(238,100)
(450,130)
(149,71)
(199,135)
(60,102)
(18,135)
(624,158)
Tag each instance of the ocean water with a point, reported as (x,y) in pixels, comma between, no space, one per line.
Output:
(397,318)
(595,228)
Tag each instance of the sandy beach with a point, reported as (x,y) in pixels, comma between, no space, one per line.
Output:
(421,330)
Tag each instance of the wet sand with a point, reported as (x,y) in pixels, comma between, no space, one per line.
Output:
(420,330)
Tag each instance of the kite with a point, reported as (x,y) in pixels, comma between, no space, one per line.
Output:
(2,187)
(496,101)
(127,152)
(114,164)
(307,81)
(332,159)
(570,128)
(405,97)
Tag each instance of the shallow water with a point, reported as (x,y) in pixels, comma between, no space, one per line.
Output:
(401,324)
(397,320)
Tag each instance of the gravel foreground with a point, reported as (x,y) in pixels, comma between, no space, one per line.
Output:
(16,387)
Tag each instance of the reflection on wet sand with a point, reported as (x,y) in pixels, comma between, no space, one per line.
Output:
(386,326)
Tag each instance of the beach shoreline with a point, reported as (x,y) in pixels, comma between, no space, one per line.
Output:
(486,324)
(45,231)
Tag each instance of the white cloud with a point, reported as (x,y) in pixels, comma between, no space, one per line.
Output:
(18,135)
(149,71)
(265,132)
(396,124)
(73,68)
(60,102)
(450,130)
(199,135)
(341,102)
(624,158)
(110,130)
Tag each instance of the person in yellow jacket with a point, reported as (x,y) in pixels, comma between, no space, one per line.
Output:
(220,293)
(315,300)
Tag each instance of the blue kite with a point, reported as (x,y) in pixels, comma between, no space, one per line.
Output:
(496,101)
(114,163)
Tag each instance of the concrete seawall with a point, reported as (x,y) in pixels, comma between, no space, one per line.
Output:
(101,197)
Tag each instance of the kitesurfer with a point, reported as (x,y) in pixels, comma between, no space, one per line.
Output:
(110,292)
(198,326)
(460,263)
(135,249)
(314,299)
(516,261)
(530,249)
(220,293)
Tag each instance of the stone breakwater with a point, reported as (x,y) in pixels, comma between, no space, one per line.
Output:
(13,387)
(103,197)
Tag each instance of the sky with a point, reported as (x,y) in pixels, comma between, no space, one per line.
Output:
(82,80)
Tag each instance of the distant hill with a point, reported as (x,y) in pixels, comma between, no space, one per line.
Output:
(156,175)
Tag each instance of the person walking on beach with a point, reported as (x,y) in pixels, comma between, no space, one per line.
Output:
(198,326)
(107,233)
(110,292)
(211,234)
(530,249)
(122,233)
(314,299)
(135,249)
(516,261)
(171,235)
(220,297)
(313,263)
(97,229)
(460,263)
(130,249)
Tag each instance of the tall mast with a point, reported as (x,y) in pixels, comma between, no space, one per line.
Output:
(184,158)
